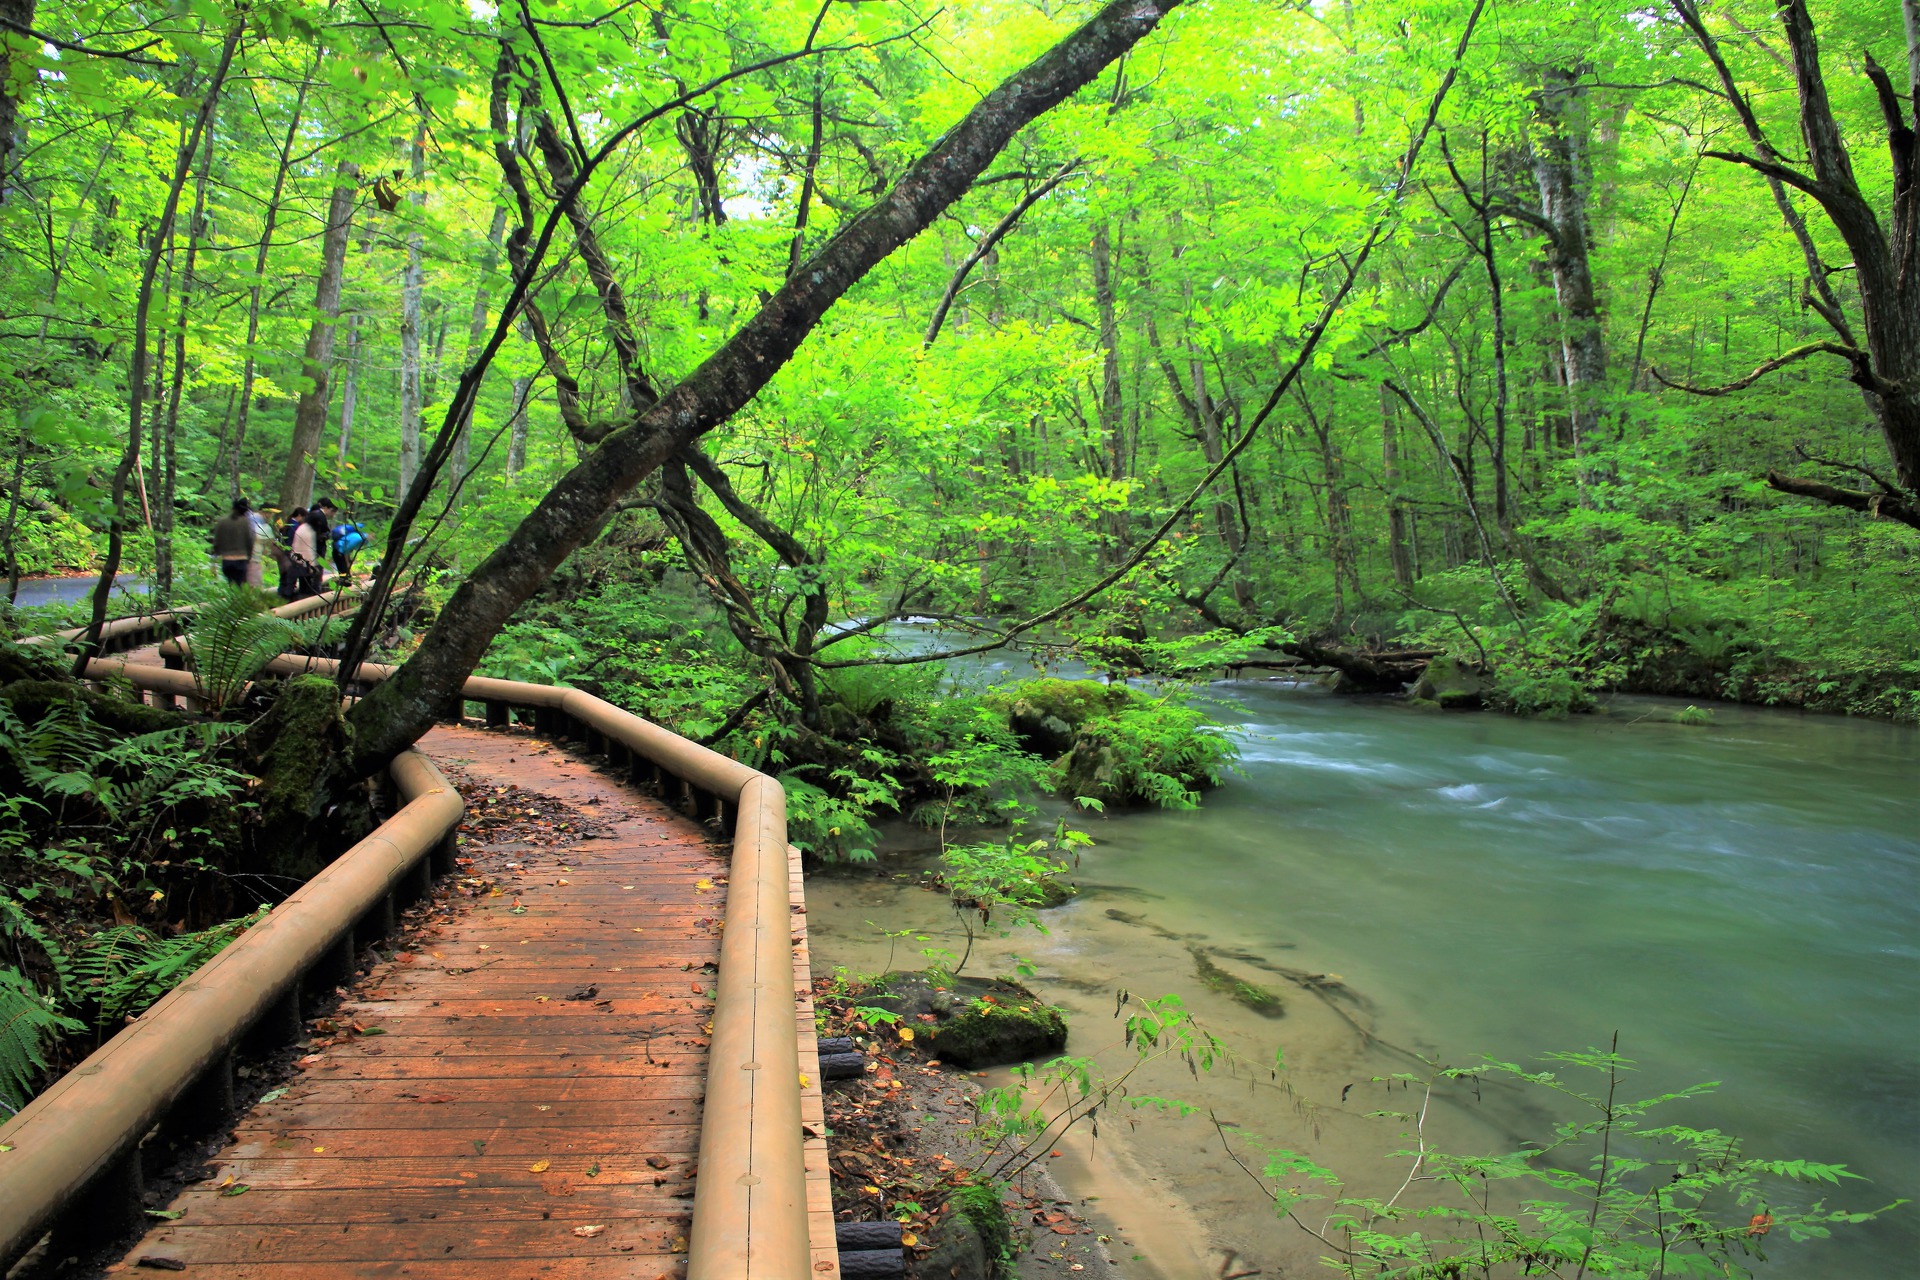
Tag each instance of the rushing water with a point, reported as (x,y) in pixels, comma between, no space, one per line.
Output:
(1737,901)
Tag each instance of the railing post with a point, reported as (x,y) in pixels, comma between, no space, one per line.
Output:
(280,1025)
(208,1103)
(112,1205)
(499,714)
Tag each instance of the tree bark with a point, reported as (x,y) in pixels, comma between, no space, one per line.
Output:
(13,45)
(1397,555)
(169,461)
(398,710)
(137,372)
(410,316)
(310,413)
(476,336)
(1562,173)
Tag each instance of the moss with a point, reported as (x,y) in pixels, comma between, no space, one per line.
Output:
(1266,1003)
(980,1204)
(294,750)
(32,699)
(989,1033)
(1073,701)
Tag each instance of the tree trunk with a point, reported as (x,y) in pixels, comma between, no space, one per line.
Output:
(517,429)
(13,45)
(137,372)
(310,414)
(169,468)
(476,336)
(410,317)
(1112,416)
(1562,172)
(268,221)
(1397,554)
(398,710)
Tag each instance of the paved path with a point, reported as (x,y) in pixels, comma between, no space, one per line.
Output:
(531,1105)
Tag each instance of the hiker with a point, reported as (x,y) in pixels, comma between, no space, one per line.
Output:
(347,538)
(262,543)
(233,542)
(309,539)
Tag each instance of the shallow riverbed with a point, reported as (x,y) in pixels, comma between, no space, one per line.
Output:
(1737,901)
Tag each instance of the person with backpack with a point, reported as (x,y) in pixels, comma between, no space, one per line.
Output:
(347,537)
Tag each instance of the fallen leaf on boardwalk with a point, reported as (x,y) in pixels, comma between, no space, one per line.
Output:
(658,1162)
(160,1264)
(237,1189)
(434,1098)
(703,885)
(588,1233)
(5,1147)
(679,1245)
(273,1095)
(593,1170)
(168,1214)
(540,1166)
(541,1106)
(541,999)
(319,1151)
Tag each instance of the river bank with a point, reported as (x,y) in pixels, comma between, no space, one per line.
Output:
(1734,900)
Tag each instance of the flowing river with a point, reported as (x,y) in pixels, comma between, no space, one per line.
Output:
(1736,901)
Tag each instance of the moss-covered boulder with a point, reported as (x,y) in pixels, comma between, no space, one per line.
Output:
(1115,744)
(978,1022)
(991,1033)
(1451,685)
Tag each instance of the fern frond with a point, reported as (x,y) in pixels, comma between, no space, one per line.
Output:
(233,638)
(123,970)
(28,1022)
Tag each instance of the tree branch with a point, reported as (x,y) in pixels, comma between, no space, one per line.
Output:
(985,246)
(1884,505)
(1853,355)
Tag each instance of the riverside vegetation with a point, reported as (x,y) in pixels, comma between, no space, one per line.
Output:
(684,352)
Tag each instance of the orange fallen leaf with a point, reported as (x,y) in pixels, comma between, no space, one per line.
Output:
(540,1166)
(1760,1225)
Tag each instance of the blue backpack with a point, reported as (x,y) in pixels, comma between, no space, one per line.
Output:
(348,538)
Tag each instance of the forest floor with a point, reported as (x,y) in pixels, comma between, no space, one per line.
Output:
(902,1134)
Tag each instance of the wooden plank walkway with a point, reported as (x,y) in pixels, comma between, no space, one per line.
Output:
(530,1106)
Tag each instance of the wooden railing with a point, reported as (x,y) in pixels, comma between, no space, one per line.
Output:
(75,1148)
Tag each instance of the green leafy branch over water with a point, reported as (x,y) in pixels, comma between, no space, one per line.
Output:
(1610,1194)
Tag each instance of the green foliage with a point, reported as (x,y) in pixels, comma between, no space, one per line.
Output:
(1613,1191)
(1161,752)
(29,1022)
(981,1202)
(233,636)
(116,973)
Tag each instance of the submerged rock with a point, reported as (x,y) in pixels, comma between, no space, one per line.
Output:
(1451,685)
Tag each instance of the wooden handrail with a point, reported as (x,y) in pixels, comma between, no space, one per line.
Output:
(93,1118)
(750,1202)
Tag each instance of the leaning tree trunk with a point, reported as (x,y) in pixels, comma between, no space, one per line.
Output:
(310,414)
(403,707)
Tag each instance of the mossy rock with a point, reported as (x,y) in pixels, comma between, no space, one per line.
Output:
(32,699)
(992,1032)
(979,1022)
(1055,893)
(1451,685)
(1072,702)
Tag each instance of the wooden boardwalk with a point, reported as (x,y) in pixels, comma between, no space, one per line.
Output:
(522,1095)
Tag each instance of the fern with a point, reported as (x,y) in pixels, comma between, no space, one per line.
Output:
(120,971)
(28,1021)
(233,639)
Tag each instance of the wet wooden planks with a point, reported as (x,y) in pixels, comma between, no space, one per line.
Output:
(523,1096)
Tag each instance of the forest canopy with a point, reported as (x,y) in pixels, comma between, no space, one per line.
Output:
(1580,339)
